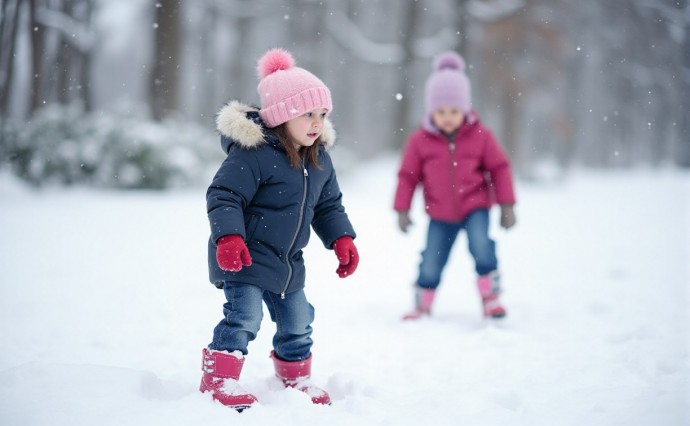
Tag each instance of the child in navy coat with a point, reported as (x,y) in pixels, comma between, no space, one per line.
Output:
(276,182)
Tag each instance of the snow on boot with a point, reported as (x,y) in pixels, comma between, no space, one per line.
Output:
(297,375)
(221,372)
(424,298)
(489,286)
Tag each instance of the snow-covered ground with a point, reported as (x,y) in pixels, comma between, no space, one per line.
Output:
(105,306)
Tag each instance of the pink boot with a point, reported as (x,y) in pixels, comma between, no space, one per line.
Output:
(221,371)
(424,298)
(489,286)
(297,375)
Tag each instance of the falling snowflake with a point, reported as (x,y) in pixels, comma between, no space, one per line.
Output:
(398,96)
(293,111)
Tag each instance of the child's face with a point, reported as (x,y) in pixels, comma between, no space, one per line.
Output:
(447,119)
(306,128)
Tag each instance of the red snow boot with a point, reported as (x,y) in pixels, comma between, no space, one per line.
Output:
(221,372)
(489,286)
(297,375)
(424,298)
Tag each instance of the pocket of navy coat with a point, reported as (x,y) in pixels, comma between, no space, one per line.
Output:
(250,224)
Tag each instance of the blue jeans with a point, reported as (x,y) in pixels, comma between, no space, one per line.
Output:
(440,239)
(243,313)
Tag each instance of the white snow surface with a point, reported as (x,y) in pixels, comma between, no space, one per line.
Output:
(105,307)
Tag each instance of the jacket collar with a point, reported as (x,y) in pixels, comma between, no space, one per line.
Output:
(242,124)
(428,125)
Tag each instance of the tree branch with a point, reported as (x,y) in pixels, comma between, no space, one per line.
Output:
(348,34)
(494,10)
(73,31)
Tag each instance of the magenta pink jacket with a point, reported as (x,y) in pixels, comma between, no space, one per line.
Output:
(458,176)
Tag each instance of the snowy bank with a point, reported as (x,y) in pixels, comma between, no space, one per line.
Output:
(105,306)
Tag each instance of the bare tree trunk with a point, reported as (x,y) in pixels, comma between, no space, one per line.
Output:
(37,59)
(462,24)
(240,78)
(165,74)
(83,82)
(61,49)
(3,16)
(504,39)
(61,70)
(402,110)
(8,36)
(208,79)
(683,157)
(512,125)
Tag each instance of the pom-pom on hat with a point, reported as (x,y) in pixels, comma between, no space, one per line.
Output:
(448,86)
(287,91)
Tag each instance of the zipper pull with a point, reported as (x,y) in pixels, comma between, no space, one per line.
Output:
(452,147)
(282,295)
(306,173)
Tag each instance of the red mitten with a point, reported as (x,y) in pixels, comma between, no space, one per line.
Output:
(232,253)
(347,255)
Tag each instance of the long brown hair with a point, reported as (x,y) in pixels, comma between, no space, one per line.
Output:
(299,156)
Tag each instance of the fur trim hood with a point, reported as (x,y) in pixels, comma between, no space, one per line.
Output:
(242,125)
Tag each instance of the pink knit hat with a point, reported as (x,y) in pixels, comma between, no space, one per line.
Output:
(448,85)
(288,91)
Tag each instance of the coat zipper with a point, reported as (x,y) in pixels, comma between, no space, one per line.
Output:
(453,166)
(294,237)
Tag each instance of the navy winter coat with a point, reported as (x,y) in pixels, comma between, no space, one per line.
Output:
(257,194)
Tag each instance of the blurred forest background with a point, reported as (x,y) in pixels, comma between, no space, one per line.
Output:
(124,93)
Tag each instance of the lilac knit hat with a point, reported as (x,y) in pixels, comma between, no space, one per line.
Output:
(448,85)
(288,91)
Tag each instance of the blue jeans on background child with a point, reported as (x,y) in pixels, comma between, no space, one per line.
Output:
(440,239)
(243,313)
